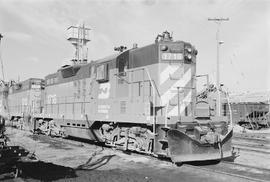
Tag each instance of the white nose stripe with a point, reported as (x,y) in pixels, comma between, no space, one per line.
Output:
(165,74)
(170,93)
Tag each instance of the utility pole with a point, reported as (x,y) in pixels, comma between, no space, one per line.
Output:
(2,65)
(218,21)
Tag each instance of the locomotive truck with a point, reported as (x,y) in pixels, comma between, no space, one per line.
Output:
(141,99)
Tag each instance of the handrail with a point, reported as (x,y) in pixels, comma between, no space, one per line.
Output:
(154,94)
(154,101)
(230,109)
(166,115)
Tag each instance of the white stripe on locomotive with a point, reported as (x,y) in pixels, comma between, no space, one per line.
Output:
(169,70)
(170,92)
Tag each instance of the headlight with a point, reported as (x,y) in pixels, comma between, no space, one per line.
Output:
(189,49)
(164,48)
(189,56)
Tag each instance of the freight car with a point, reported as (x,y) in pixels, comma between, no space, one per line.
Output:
(251,115)
(142,99)
(251,110)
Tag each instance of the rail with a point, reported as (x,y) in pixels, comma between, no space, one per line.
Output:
(224,168)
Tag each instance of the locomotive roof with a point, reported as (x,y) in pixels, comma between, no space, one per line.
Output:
(136,59)
(98,61)
(30,79)
(108,58)
(24,85)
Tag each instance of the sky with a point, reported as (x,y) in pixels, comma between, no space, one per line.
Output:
(35,32)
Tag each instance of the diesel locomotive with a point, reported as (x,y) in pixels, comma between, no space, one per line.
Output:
(141,99)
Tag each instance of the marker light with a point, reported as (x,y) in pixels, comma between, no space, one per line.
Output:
(195,52)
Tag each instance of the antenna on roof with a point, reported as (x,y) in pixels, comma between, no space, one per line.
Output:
(79,37)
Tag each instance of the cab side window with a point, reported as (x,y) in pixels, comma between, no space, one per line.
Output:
(122,66)
(102,72)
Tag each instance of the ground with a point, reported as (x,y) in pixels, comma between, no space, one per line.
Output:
(69,160)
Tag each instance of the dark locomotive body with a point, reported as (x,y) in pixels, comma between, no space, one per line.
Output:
(142,99)
(24,101)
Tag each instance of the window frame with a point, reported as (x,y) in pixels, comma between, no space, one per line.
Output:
(105,75)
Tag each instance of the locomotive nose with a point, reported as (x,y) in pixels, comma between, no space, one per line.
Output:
(176,87)
(176,78)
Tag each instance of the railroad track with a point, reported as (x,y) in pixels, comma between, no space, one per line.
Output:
(251,148)
(244,172)
(226,168)
(259,136)
(257,143)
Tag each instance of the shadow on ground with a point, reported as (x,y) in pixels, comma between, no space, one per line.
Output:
(50,172)
(203,163)
(45,171)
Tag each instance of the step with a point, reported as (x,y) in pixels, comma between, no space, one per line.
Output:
(165,128)
(163,141)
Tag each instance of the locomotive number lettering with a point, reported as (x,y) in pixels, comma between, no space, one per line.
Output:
(104,91)
(172,56)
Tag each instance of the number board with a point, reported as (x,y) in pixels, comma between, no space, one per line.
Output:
(171,56)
